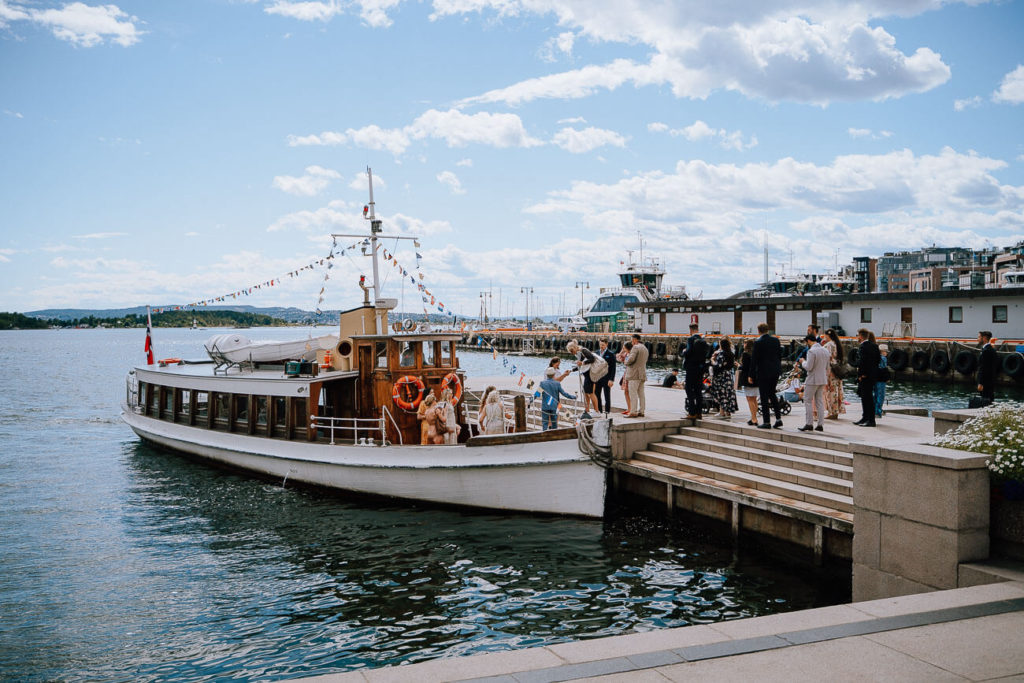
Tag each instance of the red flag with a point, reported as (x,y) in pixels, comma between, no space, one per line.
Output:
(149,338)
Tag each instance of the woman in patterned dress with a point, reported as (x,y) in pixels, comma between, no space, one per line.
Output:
(723,382)
(834,389)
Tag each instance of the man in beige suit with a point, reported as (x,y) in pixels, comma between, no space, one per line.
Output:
(636,376)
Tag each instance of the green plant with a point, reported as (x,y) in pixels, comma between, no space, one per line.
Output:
(997,431)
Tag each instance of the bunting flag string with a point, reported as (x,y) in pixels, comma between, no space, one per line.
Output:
(506,361)
(273,282)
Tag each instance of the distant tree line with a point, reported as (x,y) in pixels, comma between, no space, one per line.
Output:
(17,321)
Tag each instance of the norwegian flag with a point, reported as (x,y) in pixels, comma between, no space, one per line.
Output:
(149,338)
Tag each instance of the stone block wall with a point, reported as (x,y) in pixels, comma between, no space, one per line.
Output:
(920,511)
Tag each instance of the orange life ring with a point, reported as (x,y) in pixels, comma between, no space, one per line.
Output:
(168,361)
(452,378)
(400,391)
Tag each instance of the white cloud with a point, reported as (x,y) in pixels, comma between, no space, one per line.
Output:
(464,162)
(699,130)
(1012,88)
(782,50)
(360,182)
(574,119)
(587,139)
(337,214)
(313,182)
(455,128)
(967,103)
(81,24)
(868,133)
(452,181)
(101,235)
(305,11)
(15,114)
(5,255)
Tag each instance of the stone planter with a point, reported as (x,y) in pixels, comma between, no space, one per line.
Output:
(1006,519)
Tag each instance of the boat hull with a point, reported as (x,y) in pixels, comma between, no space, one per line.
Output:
(547,477)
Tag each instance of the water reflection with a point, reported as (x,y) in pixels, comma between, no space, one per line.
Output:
(286,582)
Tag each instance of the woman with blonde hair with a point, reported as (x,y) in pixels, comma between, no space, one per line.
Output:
(447,408)
(492,415)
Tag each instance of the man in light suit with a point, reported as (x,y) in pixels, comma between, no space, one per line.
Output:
(766,366)
(815,364)
(636,376)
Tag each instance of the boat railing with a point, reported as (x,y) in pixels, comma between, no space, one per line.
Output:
(367,426)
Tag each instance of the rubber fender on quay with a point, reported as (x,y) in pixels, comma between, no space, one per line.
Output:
(898,360)
(1013,364)
(965,362)
(940,362)
(853,356)
(919,360)
(660,349)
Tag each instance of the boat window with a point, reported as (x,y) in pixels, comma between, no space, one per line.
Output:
(865,315)
(381,354)
(260,407)
(447,353)
(956,314)
(202,403)
(428,353)
(220,408)
(406,354)
(999,314)
(242,409)
(299,411)
(279,408)
(611,303)
(185,406)
(166,402)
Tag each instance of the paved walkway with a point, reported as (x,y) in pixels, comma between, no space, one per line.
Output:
(967,634)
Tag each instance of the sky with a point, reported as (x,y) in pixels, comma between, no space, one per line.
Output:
(168,153)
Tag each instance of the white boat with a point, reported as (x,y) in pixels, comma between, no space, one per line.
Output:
(639,281)
(237,348)
(346,418)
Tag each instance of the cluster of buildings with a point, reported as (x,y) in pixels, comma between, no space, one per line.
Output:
(935,269)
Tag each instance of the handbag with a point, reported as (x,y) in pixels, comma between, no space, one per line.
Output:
(598,369)
(838,369)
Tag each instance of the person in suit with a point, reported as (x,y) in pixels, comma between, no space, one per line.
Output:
(815,364)
(636,375)
(765,367)
(603,390)
(695,359)
(867,369)
(987,366)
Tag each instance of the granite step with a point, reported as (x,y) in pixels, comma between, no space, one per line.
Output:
(822,441)
(801,486)
(772,452)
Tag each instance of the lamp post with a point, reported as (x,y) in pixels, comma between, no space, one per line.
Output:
(581,285)
(528,291)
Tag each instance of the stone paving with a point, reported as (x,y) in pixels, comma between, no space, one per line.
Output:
(966,634)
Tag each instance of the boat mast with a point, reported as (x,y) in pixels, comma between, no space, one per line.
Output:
(375,230)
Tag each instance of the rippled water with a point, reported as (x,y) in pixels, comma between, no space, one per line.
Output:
(119,562)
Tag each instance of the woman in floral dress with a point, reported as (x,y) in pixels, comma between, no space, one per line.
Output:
(834,389)
(723,382)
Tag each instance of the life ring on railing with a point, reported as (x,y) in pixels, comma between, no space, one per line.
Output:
(400,392)
(408,325)
(898,360)
(1013,364)
(169,361)
(965,362)
(452,379)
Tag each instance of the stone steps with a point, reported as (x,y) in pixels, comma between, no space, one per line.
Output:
(799,458)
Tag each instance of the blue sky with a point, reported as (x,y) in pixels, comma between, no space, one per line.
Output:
(166,153)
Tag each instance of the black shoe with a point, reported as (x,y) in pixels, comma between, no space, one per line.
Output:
(806,428)
(778,424)
(859,423)
(764,426)
(819,428)
(751,423)
(866,424)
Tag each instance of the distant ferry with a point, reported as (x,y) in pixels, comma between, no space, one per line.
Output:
(639,282)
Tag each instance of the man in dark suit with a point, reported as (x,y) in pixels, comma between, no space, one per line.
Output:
(867,370)
(695,359)
(603,390)
(987,366)
(765,368)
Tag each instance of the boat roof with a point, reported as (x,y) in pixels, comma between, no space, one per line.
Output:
(268,381)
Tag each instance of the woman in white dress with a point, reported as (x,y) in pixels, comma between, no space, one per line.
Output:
(447,408)
(492,415)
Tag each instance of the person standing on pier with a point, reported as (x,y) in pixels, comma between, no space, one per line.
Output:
(881,379)
(766,366)
(867,369)
(621,358)
(815,364)
(744,380)
(987,366)
(723,381)
(603,391)
(834,404)
(550,390)
(636,375)
(695,362)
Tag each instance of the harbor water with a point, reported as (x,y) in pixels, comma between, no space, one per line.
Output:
(121,562)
